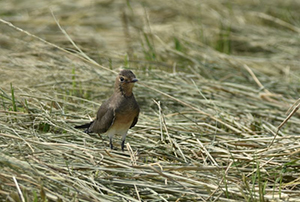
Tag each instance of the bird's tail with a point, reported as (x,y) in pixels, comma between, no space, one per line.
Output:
(87,125)
(83,126)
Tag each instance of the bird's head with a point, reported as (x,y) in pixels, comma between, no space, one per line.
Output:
(125,82)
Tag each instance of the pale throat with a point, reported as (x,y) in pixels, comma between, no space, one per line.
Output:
(126,90)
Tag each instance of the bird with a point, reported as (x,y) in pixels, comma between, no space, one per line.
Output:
(119,113)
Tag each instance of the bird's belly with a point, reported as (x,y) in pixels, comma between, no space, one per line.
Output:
(120,125)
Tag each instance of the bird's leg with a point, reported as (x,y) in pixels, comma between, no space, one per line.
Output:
(122,144)
(111,135)
(123,140)
(111,143)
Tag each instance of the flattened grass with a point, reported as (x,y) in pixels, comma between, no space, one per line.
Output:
(217,79)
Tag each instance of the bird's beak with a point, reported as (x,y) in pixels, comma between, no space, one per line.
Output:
(134,80)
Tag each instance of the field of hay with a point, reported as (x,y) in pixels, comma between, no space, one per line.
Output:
(218,91)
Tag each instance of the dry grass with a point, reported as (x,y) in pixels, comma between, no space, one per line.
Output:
(218,78)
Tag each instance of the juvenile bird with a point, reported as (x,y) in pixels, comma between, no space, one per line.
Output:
(119,113)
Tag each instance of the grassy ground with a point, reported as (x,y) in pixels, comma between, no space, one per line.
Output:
(217,81)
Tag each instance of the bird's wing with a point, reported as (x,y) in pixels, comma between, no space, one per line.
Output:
(105,118)
(136,118)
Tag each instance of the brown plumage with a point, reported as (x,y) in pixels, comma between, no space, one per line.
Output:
(119,113)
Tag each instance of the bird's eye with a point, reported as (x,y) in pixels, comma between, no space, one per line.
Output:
(122,79)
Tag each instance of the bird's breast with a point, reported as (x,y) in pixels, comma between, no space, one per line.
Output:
(124,119)
(121,125)
(126,110)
